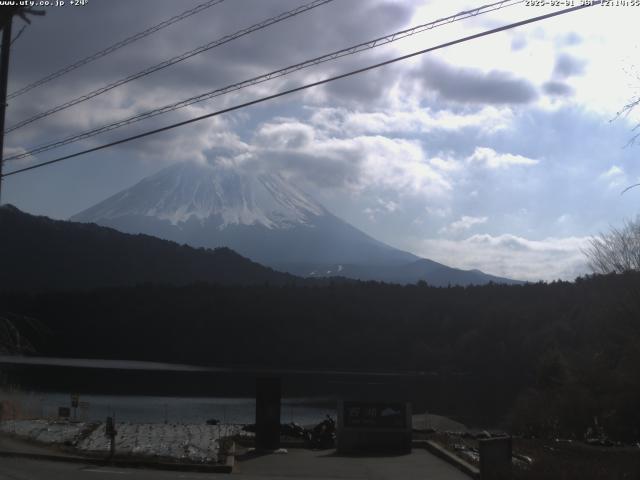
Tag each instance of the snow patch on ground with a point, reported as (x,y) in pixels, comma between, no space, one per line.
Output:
(45,431)
(193,443)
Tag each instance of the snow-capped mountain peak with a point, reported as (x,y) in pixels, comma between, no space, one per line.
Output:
(265,218)
(193,190)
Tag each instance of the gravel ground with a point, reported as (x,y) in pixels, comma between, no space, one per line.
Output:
(553,459)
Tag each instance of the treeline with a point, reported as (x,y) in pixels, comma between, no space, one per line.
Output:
(548,357)
(83,256)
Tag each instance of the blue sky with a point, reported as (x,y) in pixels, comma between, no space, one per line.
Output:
(498,154)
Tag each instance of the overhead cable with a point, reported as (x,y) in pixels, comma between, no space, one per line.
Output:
(172,61)
(306,86)
(114,47)
(377,42)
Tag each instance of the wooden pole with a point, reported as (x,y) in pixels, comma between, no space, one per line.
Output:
(4,75)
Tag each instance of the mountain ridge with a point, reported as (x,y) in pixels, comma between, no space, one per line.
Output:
(62,255)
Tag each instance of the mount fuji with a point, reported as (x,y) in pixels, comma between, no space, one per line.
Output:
(265,218)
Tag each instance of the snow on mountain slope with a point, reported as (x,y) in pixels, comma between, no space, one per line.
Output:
(262,217)
(192,190)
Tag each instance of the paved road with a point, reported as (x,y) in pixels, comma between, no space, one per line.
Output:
(298,464)
(20,469)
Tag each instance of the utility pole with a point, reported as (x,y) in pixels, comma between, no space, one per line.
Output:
(4,75)
(6,19)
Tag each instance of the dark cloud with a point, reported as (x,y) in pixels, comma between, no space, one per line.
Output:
(369,88)
(557,89)
(568,66)
(65,35)
(468,85)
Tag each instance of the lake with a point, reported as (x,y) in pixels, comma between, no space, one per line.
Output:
(169,409)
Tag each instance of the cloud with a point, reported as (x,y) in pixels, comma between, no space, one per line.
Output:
(467,85)
(487,119)
(614,171)
(382,207)
(518,42)
(326,159)
(559,89)
(489,158)
(464,223)
(568,66)
(569,39)
(285,134)
(511,256)
(255,54)
(614,177)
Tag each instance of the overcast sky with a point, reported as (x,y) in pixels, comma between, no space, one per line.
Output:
(497,154)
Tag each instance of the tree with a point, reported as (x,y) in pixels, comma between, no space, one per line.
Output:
(617,251)
(15,334)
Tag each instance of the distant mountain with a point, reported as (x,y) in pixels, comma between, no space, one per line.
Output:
(41,253)
(262,217)
(434,273)
(266,219)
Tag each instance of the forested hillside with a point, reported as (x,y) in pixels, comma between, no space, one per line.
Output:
(79,255)
(554,355)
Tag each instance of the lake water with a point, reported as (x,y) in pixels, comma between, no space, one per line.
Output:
(161,409)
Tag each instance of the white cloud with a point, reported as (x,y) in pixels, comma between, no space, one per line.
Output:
(328,159)
(382,207)
(614,171)
(614,177)
(489,158)
(510,255)
(464,223)
(488,119)
(285,134)
(446,164)
(438,211)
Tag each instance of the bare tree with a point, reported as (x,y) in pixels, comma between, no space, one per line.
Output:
(616,251)
(12,337)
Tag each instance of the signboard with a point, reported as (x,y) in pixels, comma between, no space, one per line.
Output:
(375,415)
(495,458)
(64,412)
(75,398)
(374,426)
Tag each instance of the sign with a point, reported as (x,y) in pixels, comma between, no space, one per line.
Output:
(495,458)
(374,426)
(375,415)
(75,398)
(64,412)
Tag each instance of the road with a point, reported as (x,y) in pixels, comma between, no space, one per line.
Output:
(298,464)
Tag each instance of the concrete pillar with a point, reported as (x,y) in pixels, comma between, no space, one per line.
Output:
(268,399)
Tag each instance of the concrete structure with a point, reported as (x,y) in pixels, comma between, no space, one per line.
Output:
(268,400)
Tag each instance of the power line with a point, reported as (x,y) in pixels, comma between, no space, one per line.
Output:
(17,35)
(393,37)
(171,61)
(306,86)
(116,46)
